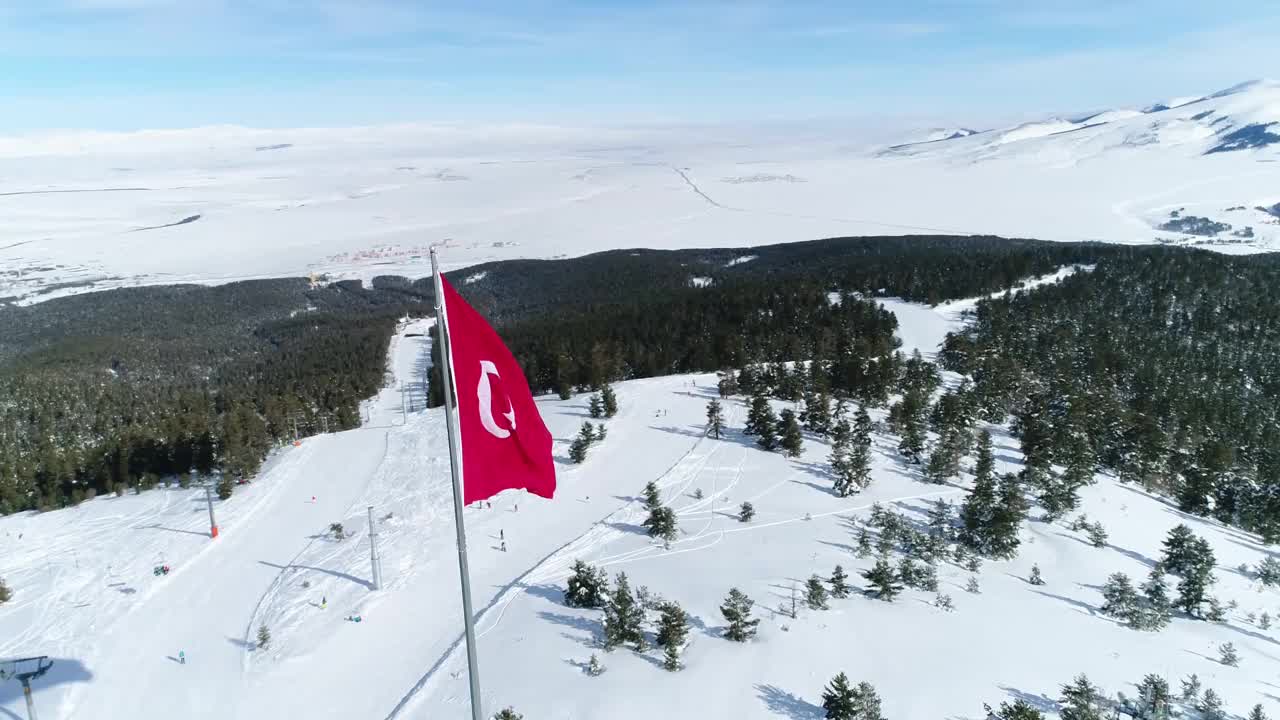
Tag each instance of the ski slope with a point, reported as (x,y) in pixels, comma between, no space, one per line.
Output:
(113,627)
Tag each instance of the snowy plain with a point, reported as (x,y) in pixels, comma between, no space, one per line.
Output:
(84,211)
(85,593)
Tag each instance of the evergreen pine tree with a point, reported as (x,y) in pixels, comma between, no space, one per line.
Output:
(1119,598)
(652,499)
(817,412)
(1011,510)
(839,583)
(671,658)
(912,427)
(767,430)
(1035,578)
(5,593)
(1264,621)
(866,703)
(972,585)
(789,430)
(737,612)
(673,630)
(944,461)
(595,408)
(264,637)
(594,668)
(1179,550)
(662,523)
(838,699)
(587,433)
(859,468)
(1097,535)
(1227,655)
(908,573)
(864,542)
(1256,713)
(587,587)
(225,488)
(943,602)
(759,416)
(1191,688)
(1268,571)
(884,581)
(1081,700)
(610,401)
(978,513)
(623,617)
(508,714)
(1217,613)
(578,451)
(715,418)
(1154,700)
(1210,706)
(815,593)
(727,383)
(1019,710)
(940,515)
(1156,606)
(746,512)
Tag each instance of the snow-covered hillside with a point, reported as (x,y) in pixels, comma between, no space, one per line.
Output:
(85,593)
(86,211)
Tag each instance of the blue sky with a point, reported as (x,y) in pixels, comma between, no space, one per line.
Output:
(130,64)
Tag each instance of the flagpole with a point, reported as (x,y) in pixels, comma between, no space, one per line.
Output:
(455,468)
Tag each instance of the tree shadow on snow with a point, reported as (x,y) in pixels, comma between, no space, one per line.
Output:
(1131,554)
(1039,702)
(1079,604)
(629,528)
(241,643)
(550,593)
(695,431)
(781,702)
(571,621)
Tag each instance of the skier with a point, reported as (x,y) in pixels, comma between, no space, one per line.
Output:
(502,535)
(504,546)
(324,602)
(182,657)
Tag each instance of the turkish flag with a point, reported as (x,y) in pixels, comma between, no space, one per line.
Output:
(505,444)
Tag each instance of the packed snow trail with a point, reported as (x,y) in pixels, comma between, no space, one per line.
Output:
(205,610)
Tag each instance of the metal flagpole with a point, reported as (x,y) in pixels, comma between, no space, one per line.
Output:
(455,466)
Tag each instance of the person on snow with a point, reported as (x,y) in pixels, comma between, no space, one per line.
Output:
(324,602)
(182,657)
(504,546)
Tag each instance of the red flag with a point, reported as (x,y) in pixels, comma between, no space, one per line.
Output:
(505,444)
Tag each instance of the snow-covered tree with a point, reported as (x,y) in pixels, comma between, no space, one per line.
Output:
(943,602)
(1119,599)
(715,418)
(746,512)
(673,630)
(839,583)
(662,523)
(610,401)
(5,593)
(837,699)
(1097,535)
(737,612)
(1191,688)
(595,408)
(1156,608)
(1227,655)
(578,450)
(972,585)
(652,499)
(789,431)
(1035,578)
(623,617)
(815,595)
(817,412)
(1081,700)
(587,586)
(1019,710)
(264,637)
(1210,706)
(1256,713)
(884,581)
(508,714)
(864,542)
(594,667)
(759,415)
(1268,571)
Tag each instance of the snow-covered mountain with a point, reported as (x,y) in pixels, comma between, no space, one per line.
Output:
(85,592)
(88,211)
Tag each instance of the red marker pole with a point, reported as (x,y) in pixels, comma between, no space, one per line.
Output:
(213,524)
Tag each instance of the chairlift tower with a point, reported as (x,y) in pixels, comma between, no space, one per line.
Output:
(35,667)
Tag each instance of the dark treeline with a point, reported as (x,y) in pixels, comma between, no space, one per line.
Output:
(622,314)
(115,390)
(1163,366)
